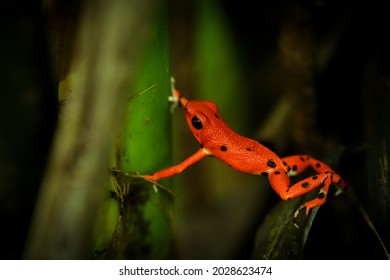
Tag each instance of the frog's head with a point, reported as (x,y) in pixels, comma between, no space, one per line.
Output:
(203,119)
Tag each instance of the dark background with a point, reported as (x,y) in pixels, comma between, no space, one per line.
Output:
(351,104)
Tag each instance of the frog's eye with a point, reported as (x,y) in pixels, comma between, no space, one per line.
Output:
(196,122)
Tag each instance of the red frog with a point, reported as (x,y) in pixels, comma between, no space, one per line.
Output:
(218,140)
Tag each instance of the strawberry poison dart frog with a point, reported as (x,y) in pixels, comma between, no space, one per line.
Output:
(218,140)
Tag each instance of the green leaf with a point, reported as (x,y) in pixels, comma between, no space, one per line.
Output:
(278,237)
(143,223)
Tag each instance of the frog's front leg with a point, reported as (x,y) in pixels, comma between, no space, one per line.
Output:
(176,169)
